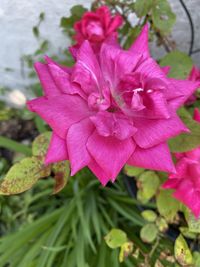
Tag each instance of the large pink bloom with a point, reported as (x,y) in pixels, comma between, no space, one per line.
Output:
(96,27)
(186,181)
(111,109)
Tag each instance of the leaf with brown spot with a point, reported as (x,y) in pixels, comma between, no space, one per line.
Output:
(41,144)
(22,176)
(61,171)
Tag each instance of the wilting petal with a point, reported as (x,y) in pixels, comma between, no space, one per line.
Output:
(155,158)
(60,112)
(48,84)
(104,148)
(153,132)
(103,177)
(57,150)
(140,45)
(77,137)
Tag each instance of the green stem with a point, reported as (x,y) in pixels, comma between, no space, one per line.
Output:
(14,146)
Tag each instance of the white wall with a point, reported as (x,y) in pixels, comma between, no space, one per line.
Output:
(17,17)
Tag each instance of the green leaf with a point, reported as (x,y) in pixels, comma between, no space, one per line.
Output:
(125,251)
(180,63)
(77,11)
(193,223)
(142,7)
(162,224)
(182,252)
(36,31)
(162,16)
(186,232)
(148,183)
(149,233)
(196,258)
(149,215)
(189,141)
(40,144)
(167,205)
(116,238)
(132,171)
(62,174)
(22,176)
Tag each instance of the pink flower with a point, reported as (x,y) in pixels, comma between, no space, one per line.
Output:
(96,27)
(186,181)
(111,109)
(193,76)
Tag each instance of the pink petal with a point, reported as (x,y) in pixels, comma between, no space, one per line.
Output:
(48,84)
(187,194)
(166,69)
(57,150)
(60,112)
(115,62)
(110,124)
(87,72)
(77,137)
(141,43)
(62,80)
(110,153)
(115,23)
(154,158)
(183,90)
(153,132)
(196,116)
(103,177)
(194,74)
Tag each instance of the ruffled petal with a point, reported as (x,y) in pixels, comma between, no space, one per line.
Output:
(77,137)
(57,150)
(116,151)
(155,158)
(87,72)
(60,112)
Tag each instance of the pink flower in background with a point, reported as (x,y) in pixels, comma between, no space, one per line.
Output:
(96,27)
(193,76)
(186,181)
(108,110)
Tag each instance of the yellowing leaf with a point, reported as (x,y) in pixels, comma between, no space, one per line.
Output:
(23,175)
(149,233)
(132,171)
(148,183)
(167,205)
(182,252)
(62,172)
(125,251)
(40,144)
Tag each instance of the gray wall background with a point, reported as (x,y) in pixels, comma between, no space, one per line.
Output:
(17,17)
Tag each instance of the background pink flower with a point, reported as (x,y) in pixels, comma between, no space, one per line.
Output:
(186,181)
(193,76)
(111,109)
(96,27)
